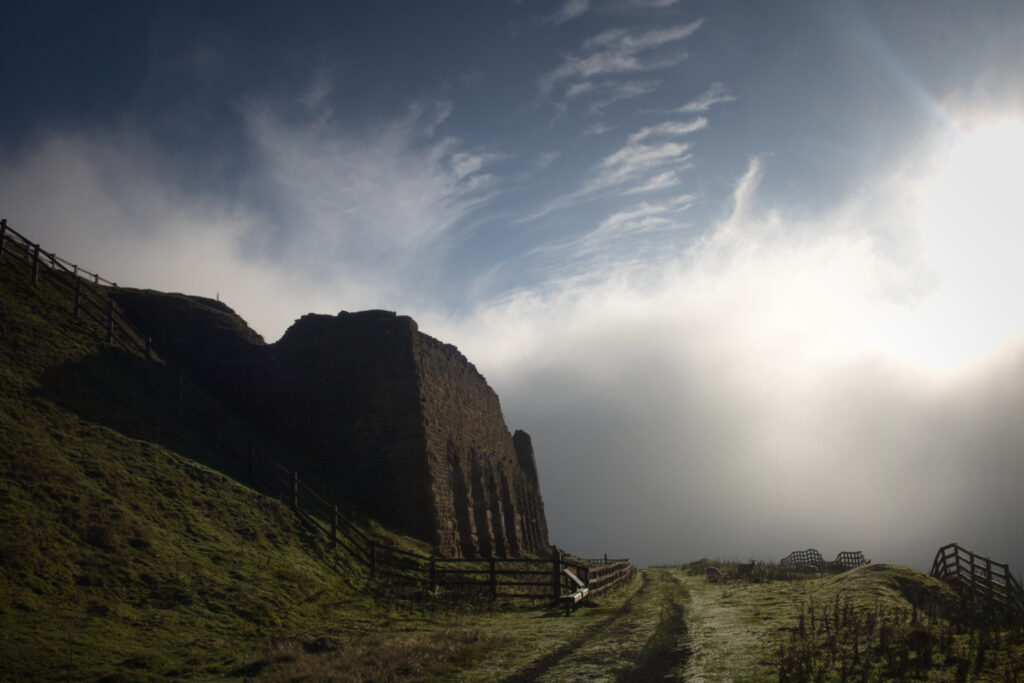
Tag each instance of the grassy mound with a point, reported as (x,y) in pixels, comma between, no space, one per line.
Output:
(885,622)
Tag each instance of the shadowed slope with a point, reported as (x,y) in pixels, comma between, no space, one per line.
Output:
(117,555)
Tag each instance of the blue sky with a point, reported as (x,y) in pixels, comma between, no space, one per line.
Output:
(730,260)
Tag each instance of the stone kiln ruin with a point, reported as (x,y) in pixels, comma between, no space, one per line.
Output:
(382,415)
(405,427)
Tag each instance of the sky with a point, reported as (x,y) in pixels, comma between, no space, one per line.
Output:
(747,272)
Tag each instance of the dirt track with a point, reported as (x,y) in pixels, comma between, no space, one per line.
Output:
(645,639)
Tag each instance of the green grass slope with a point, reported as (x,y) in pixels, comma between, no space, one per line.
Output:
(878,622)
(119,557)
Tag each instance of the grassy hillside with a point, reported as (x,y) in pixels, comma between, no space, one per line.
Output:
(117,554)
(124,557)
(874,623)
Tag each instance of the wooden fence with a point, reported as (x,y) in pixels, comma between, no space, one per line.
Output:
(847,559)
(810,557)
(258,464)
(979,577)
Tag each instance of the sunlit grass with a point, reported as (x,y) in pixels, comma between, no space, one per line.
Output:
(876,622)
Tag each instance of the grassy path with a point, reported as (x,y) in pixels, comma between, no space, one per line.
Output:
(735,628)
(641,639)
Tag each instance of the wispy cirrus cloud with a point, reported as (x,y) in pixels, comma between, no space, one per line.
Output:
(577,89)
(545,159)
(612,92)
(633,168)
(596,128)
(570,9)
(643,233)
(636,167)
(619,51)
(644,4)
(635,160)
(646,217)
(669,128)
(658,181)
(373,201)
(714,95)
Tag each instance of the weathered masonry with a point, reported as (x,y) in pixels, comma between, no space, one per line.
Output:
(382,415)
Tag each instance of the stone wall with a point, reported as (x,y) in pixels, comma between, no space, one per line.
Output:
(377,414)
(485,502)
(342,391)
(405,427)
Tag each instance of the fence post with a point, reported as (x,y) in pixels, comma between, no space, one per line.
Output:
(556,572)
(35,264)
(110,321)
(494,578)
(78,294)
(334,526)
(3,234)
(295,489)
(988,581)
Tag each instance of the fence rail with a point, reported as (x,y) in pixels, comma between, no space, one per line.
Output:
(979,576)
(248,460)
(847,559)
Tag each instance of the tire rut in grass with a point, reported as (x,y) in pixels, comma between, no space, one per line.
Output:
(665,652)
(541,666)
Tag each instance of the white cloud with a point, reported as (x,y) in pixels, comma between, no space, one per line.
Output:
(570,9)
(636,159)
(612,92)
(370,202)
(670,128)
(545,159)
(640,218)
(618,51)
(635,167)
(364,219)
(577,89)
(755,376)
(596,128)
(639,233)
(102,202)
(645,4)
(658,181)
(716,94)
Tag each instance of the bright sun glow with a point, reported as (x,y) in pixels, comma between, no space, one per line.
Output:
(971,219)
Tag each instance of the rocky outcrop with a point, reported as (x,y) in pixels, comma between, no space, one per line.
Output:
(386,417)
